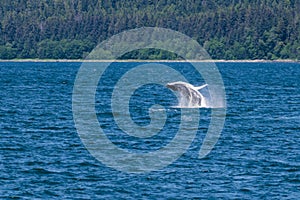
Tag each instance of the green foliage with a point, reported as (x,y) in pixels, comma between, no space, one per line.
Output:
(64,49)
(230,29)
(150,54)
(7,52)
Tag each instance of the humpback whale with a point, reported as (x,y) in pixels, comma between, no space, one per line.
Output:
(189,95)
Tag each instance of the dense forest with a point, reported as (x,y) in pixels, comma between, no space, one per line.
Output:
(227,29)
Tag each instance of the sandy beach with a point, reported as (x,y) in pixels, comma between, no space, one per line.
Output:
(82,60)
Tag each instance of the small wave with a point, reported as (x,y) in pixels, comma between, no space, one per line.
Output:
(196,107)
(160,109)
(188,107)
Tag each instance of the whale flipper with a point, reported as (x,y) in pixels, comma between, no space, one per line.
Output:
(200,87)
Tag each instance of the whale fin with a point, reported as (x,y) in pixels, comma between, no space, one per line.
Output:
(200,87)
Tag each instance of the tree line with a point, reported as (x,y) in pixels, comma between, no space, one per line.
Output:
(227,29)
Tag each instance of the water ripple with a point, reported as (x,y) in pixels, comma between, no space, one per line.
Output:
(257,156)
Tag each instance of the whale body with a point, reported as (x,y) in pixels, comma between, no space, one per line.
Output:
(189,95)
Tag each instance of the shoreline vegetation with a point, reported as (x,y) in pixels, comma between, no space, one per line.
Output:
(229,30)
(136,60)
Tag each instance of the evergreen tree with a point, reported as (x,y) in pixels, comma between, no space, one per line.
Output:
(230,29)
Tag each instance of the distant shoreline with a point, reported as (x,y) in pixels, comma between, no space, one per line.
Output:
(82,60)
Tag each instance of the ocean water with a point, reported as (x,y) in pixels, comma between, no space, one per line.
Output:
(257,156)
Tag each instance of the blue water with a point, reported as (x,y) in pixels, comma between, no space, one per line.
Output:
(256,157)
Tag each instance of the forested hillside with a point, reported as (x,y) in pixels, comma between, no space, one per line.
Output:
(228,29)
